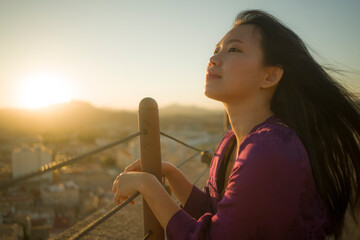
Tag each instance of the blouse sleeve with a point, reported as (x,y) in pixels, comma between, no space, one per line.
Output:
(261,198)
(199,202)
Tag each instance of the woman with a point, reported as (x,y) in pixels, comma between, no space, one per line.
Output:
(289,168)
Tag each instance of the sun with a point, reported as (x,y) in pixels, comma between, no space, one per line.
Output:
(41,90)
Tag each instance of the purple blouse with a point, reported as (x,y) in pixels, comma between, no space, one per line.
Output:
(271,193)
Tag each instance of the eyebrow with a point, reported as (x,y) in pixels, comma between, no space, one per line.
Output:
(231,41)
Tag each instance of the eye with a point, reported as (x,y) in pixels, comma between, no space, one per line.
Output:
(234,50)
(216,50)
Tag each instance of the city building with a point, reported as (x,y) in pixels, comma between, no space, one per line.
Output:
(26,160)
(62,194)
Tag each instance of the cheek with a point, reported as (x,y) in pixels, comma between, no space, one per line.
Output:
(241,78)
(243,73)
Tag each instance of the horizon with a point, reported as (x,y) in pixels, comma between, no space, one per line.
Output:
(75,101)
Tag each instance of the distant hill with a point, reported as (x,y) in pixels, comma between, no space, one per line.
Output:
(81,116)
(61,117)
(191,118)
(177,109)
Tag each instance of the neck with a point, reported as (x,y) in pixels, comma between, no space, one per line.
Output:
(243,118)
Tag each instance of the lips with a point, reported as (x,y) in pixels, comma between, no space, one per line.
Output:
(212,75)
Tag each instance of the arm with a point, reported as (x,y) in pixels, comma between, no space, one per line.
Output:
(194,201)
(177,181)
(158,200)
(161,204)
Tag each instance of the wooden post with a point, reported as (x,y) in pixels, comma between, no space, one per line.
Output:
(150,158)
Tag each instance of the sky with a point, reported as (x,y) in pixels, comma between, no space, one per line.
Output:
(114,53)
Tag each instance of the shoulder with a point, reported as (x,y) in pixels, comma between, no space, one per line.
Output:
(274,130)
(272,153)
(273,142)
(273,133)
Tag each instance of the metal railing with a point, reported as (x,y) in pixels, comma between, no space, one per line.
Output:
(149,132)
(57,165)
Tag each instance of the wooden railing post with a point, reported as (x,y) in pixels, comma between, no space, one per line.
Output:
(150,158)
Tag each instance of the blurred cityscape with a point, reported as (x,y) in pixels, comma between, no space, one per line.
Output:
(45,206)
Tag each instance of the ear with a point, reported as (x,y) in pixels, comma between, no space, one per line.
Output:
(273,77)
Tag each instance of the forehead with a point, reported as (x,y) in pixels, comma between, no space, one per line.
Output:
(246,33)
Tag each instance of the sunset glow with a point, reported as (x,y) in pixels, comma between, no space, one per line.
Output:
(41,90)
(99,50)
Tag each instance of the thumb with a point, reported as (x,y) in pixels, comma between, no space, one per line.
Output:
(135,166)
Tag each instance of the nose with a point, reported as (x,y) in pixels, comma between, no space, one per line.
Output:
(214,61)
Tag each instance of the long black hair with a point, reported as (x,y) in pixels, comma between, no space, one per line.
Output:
(322,112)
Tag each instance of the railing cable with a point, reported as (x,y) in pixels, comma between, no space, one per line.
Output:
(103,218)
(206,156)
(148,235)
(179,141)
(57,165)
(188,159)
(201,174)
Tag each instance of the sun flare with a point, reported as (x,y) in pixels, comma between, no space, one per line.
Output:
(43,89)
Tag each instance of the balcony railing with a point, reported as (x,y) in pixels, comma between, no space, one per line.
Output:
(150,152)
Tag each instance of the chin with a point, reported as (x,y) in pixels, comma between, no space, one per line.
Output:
(213,95)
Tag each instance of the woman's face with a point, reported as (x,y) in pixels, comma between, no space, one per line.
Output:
(236,69)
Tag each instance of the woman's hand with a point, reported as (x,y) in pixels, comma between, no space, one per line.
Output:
(134,167)
(166,167)
(132,180)
(128,183)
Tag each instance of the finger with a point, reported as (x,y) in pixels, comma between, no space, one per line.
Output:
(130,167)
(117,198)
(135,166)
(119,176)
(123,199)
(114,187)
